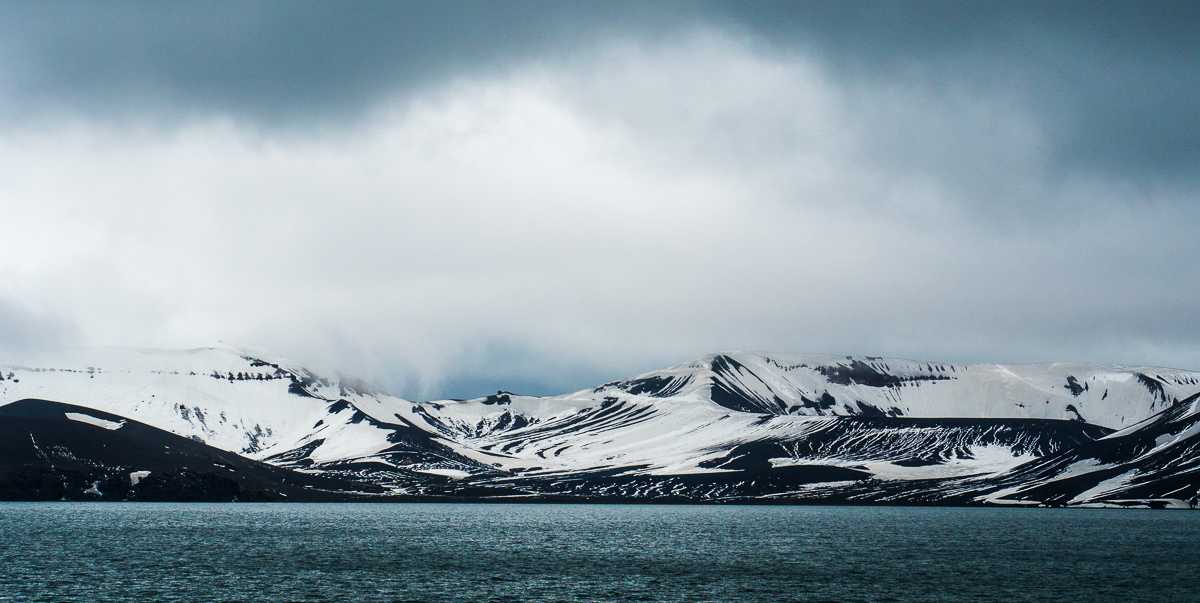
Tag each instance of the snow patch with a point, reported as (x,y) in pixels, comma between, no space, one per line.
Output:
(990,459)
(451,473)
(1081,467)
(82,418)
(1111,484)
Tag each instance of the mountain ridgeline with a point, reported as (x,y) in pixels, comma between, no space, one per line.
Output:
(737,427)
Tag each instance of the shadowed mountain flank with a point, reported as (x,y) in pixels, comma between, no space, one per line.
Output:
(54,451)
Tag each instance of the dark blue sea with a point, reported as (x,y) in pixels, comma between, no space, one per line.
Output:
(435,552)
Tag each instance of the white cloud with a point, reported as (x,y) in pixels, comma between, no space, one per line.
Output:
(576,221)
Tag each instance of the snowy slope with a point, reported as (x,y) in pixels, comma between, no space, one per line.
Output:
(261,407)
(815,385)
(55,451)
(727,426)
(201,393)
(1158,459)
(677,419)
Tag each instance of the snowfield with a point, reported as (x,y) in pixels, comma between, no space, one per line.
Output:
(728,426)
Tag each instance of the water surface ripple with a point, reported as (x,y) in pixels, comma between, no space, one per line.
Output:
(433,552)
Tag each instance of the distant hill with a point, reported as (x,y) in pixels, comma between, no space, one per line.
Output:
(730,427)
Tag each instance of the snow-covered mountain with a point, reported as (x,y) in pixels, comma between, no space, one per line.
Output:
(734,426)
(55,451)
(260,407)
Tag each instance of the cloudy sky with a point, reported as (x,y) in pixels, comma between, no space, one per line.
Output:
(451,198)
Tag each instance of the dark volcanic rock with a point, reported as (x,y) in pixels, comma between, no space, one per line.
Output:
(44,455)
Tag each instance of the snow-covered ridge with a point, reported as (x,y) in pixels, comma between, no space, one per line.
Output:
(1113,396)
(884,418)
(678,419)
(222,396)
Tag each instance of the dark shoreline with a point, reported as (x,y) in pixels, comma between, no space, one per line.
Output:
(1155,504)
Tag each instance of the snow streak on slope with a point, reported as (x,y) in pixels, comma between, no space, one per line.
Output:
(262,408)
(678,419)
(217,396)
(729,426)
(55,451)
(818,385)
(1155,460)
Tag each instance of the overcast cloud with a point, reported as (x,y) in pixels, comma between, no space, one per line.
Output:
(453,198)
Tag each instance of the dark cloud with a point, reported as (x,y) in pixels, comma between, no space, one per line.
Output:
(1116,83)
(277,62)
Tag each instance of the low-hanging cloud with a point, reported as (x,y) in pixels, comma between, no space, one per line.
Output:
(566,222)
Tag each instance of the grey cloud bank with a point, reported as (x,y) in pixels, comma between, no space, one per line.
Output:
(451,199)
(1114,82)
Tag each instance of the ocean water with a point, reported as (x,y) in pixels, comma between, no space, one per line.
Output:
(449,552)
